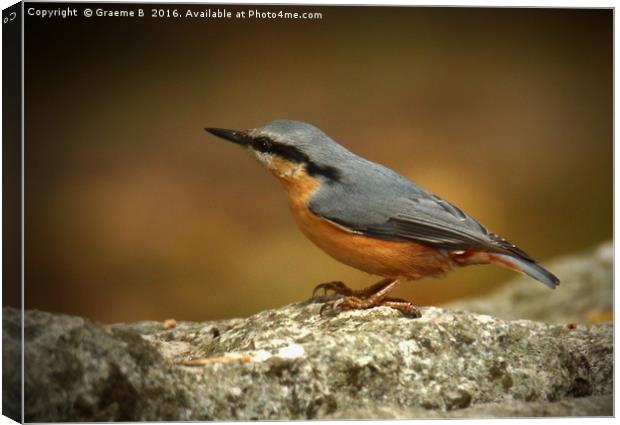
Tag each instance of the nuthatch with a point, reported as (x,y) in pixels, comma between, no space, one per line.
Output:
(371,218)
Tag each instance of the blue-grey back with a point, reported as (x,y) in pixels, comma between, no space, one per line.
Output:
(371,198)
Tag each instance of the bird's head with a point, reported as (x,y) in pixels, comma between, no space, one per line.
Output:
(291,150)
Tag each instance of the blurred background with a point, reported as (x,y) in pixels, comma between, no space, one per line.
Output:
(133,212)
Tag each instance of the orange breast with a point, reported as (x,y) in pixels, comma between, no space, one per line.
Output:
(405,260)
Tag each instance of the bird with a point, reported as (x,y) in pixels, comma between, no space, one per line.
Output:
(371,218)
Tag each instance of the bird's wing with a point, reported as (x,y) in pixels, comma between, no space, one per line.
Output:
(408,213)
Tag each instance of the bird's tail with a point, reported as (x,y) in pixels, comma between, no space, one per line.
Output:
(527,267)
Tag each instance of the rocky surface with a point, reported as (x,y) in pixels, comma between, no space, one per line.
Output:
(292,363)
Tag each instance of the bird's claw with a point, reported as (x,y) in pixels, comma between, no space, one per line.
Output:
(330,305)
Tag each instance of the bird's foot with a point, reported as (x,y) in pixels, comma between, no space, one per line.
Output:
(353,302)
(374,296)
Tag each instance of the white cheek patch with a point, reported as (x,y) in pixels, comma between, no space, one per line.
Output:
(275,165)
(264,158)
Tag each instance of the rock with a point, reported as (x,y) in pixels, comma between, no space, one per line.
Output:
(291,363)
(585,294)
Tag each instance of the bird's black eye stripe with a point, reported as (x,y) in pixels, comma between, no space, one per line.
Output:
(262,144)
(291,153)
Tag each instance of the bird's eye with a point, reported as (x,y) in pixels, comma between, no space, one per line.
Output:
(262,144)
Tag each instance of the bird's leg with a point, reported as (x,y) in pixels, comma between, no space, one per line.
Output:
(374,288)
(373,296)
(342,289)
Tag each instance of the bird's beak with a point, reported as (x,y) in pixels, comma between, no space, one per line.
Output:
(238,137)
